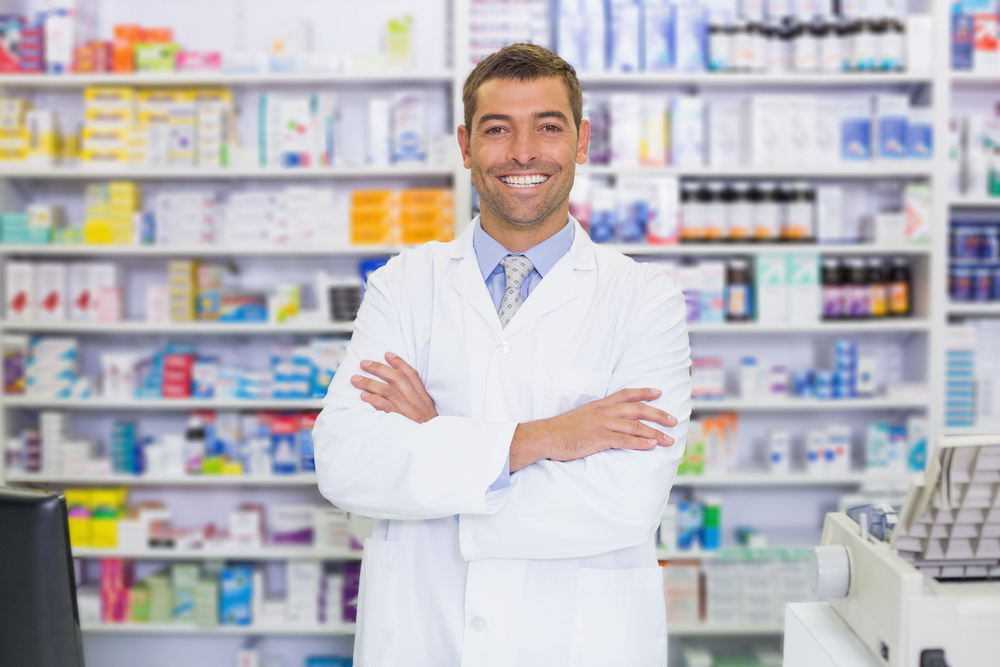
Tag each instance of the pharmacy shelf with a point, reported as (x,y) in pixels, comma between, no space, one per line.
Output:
(811,404)
(186,629)
(134,172)
(215,328)
(675,629)
(902,169)
(158,79)
(978,429)
(720,630)
(730,249)
(841,327)
(974,202)
(961,77)
(228,553)
(178,328)
(213,481)
(991,308)
(831,79)
(768,480)
(199,250)
(158,404)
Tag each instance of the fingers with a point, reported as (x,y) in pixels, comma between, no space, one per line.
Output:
(634,395)
(379,403)
(636,429)
(624,441)
(644,412)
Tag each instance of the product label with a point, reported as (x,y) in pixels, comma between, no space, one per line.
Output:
(833,301)
(878,299)
(738,302)
(899,298)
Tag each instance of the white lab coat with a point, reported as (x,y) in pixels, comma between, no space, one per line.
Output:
(559,568)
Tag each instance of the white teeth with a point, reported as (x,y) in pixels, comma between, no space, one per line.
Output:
(524,181)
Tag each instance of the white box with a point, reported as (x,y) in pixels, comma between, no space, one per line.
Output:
(100,276)
(800,130)
(830,214)
(867,377)
(379,147)
(803,288)
(827,137)
(815,448)
(890,228)
(919,34)
(21,291)
(303,582)
(772,289)
(768,139)
(668,528)
(50,305)
(653,140)
(779,446)
(687,132)
(625,129)
(409,127)
(838,449)
(726,133)
(331,528)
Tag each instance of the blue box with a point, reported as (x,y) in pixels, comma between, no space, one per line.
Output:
(962,38)
(236,595)
(892,112)
(856,130)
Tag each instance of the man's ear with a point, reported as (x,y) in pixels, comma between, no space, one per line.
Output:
(464,143)
(583,142)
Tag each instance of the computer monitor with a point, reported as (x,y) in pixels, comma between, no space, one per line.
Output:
(39,621)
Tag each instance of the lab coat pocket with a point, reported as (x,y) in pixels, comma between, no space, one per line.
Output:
(574,387)
(378,600)
(620,618)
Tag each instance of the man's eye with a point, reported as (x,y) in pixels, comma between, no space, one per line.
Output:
(552,128)
(494,130)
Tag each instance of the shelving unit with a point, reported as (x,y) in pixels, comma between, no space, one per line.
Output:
(928,326)
(222,553)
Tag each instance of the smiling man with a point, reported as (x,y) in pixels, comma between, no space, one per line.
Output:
(515,446)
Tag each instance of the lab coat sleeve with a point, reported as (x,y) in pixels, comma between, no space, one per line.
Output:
(614,499)
(386,466)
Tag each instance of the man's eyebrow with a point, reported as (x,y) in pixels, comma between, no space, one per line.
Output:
(507,119)
(493,116)
(552,114)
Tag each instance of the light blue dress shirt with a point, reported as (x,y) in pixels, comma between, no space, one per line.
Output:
(543,257)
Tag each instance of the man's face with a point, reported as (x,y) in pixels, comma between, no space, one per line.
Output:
(522,148)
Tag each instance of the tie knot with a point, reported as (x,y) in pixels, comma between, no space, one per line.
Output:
(516,267)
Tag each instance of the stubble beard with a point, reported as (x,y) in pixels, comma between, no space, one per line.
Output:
(492,195)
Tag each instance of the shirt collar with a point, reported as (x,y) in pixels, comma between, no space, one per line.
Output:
(543,256)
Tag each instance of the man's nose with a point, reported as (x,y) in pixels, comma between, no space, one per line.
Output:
(524,148)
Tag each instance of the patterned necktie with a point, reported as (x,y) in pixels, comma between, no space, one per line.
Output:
(516,268)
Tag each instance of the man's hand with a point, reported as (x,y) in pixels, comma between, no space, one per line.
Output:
(402,392)
(613,422)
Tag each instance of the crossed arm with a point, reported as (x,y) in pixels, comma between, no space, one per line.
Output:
(613,422)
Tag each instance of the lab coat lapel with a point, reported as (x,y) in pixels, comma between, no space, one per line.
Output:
(560,286)
(468,280)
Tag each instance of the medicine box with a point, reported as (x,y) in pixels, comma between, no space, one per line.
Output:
(803,287)
(20,291)
(772,291)
(892,119)
(626,119)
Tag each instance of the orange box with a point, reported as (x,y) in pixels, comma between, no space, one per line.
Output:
(375,225)
(382,198)
(157,35)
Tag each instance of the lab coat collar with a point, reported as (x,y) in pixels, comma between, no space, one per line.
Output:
(557,288)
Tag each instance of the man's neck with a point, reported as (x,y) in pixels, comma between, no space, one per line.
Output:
(520,239)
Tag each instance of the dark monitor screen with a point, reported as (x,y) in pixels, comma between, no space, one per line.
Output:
(39,622)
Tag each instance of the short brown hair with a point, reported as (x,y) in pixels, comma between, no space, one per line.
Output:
(524,62)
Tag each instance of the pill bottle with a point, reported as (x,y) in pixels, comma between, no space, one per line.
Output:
(741,47)
(833,289)
(716,212)
(831,52)
(692,214)
(961,283)
(800,212)
(758,47)
(846,30)
(982,283)
(865,46)
(767,213)
(778,49)
(878,287)
(738,290)
(740,213)
(891,46)
(720,48)
(900,289)
(858,296)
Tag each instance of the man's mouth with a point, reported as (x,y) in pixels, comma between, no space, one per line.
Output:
(528,181)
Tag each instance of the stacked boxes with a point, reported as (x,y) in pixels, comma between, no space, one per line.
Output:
(182,130)
(408,216)
(42,137)
(960,377)
(681,591)
(213,123)
(252,218)
(310,214)
(185,218)
(109,115)
(298,130)
(110,213)
(53,431)
(152,133)
(52,367)
(13,136)
(183,290)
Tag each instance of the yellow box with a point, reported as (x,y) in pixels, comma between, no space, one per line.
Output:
(104,532)
(423,224)
(80,531)
(104,139)
(218,97)
(108,157)
(106,97)
(427,197)
(13,154)
(368,198)
(97,232)
(120,117)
